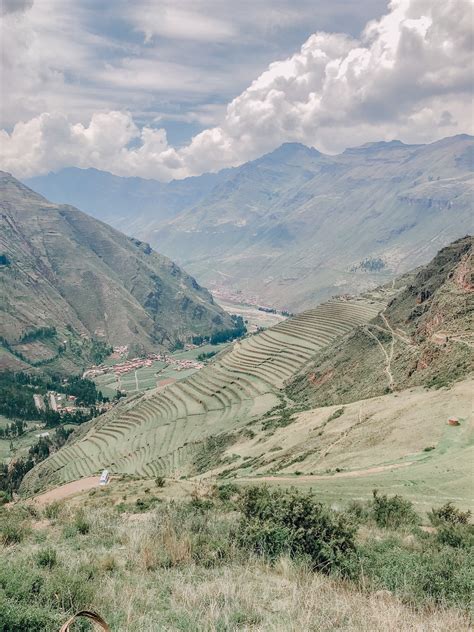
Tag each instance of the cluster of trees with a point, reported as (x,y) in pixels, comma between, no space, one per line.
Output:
(13,430)
(17,390)
(206,356)
(224,335)
(83,389)
(12,474)
(99,350)
(41,333)
(53,419)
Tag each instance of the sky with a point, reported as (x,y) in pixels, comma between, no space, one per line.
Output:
(171,88)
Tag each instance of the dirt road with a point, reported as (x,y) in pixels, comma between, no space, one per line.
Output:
(64,491)
(320,477)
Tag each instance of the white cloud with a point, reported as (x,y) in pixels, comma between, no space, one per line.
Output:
(408,76)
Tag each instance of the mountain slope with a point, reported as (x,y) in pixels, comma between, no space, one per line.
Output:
(296,226)
(424,337)
(128,204)
(172,430)
(63,269)
(338,387)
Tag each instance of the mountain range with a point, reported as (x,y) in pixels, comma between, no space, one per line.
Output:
(69,282)
(295,226)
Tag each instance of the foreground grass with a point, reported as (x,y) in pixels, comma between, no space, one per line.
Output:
(154,565)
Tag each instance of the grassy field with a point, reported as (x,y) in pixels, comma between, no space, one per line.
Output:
(173,558)
(399,443)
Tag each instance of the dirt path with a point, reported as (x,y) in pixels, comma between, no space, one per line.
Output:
(343,435)
(64,491)
(319,477)
(388,357)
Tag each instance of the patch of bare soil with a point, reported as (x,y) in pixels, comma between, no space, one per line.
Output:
(64,491)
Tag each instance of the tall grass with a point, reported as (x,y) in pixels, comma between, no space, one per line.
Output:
(183,566)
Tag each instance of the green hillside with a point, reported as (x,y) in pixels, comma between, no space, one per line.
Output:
(171,430)
(355,390)
(73,287)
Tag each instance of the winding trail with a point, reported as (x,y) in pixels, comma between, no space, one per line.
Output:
(319,477)
(388,357)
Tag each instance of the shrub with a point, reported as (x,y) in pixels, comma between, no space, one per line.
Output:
(47,558)
(430,574)
(358,511)
(81,524)
(448,514)
(226,491)
(277,522)
(337,413)
(160,481)
(53,510)
(393,512)
(457,535)
(146,504)
(18,617)
(13,528)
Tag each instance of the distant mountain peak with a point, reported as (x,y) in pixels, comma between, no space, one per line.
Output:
(287,151)
(382,145)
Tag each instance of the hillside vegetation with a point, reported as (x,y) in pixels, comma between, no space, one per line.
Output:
(219,559)
(296,226)
(73,287)
(424,337)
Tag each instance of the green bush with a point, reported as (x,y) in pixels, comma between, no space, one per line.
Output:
(359,511)
(448,514)
(393,512)
(53,510)
(457,535)
(33,599)
(46,558)
(226,491)
(160,481)
(22,617)
(428,574)
(81,524)
(277,522)
(13,528)
(78,525)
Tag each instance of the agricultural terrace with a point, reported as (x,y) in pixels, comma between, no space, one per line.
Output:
(160,431)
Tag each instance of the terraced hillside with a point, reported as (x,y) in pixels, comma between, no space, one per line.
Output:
(161,431)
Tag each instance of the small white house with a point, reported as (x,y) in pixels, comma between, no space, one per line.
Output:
(104,478)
